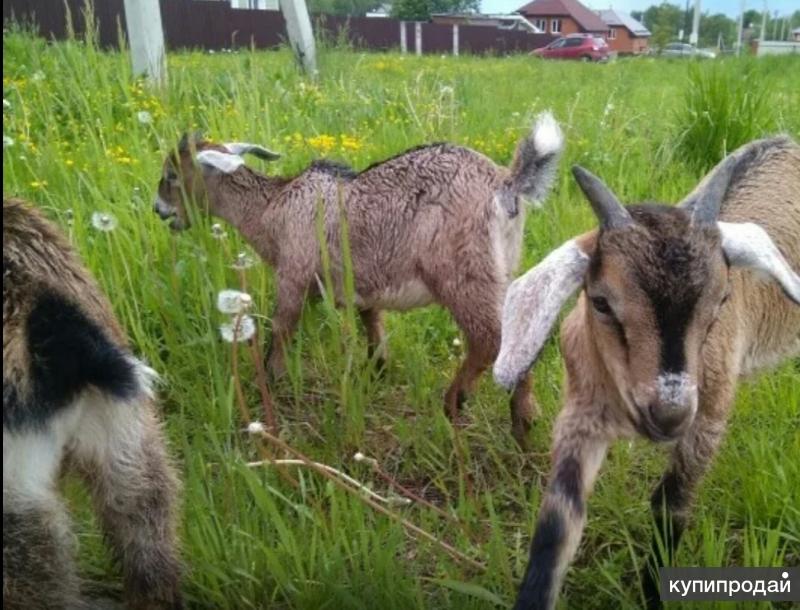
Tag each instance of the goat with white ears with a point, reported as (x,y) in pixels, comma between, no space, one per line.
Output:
(669,317)
(439,223)
(74,395)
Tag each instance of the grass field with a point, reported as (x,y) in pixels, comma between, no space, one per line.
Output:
(81,136)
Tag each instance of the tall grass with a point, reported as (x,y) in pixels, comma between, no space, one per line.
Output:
(726,105)
(250,538)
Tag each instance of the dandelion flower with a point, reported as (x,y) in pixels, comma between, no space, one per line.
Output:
(243,261)
(144,117)
(241,329)
(8,142)
(39,184)
(234,301)
(217,232)
(103,221)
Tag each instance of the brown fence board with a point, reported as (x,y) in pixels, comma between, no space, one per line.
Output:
(215,25)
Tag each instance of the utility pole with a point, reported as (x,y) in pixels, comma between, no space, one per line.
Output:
(740,35)
(301,36)
(146,37)
(764,17)
(695,35)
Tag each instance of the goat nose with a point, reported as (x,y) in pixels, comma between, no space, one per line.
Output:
(668,416)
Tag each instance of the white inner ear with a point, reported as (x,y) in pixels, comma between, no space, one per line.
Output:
(224,162)
(748,245)
(242,148)
(531,308)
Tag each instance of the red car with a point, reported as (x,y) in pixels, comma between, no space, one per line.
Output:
(585,47)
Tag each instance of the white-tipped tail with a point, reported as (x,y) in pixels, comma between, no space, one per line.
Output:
(548,138)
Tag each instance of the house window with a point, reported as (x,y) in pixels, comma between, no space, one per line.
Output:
(555,26)
(612,34)
(540,24)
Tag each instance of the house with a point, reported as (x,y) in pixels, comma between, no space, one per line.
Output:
(265,5)
(513,21)
(383,11)
(796,34)
(625,35)
(561,17)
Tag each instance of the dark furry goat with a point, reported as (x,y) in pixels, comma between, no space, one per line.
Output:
(74,395)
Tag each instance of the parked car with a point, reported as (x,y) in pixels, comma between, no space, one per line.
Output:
(585,47)
(682,49)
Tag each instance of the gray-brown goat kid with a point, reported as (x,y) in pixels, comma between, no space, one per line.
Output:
(670,316)
(74,395)
(439,223)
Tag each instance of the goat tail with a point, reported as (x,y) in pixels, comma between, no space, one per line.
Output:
(534,167)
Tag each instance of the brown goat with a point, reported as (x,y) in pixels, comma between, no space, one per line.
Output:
(670,316)
(73,394)
(438,223)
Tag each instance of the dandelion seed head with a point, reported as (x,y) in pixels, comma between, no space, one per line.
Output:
(8,142)
(241,329)
(233,301)
(103,221)
(457,342)
(243,261)
(38,76)
(144,117)
(217,232)
(6,104)
(255,428)
(359,457)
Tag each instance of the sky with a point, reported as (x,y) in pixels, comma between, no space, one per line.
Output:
(729,7)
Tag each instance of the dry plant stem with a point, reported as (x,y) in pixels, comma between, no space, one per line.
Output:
(410,527)
(410,494)
(267,403)
(345,477)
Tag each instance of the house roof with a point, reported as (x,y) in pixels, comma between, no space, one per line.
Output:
(585,18)
(618,18)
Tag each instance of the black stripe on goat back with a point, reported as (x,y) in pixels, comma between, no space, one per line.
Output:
(68,353)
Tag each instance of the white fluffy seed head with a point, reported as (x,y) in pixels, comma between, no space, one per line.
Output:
(255,428)
(241,329)
(547,135)
(234,301)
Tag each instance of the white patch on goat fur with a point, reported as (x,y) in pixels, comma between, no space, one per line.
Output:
(163,208)
(32,457)
(224,162)
(547,135)
(749,245)
(531,308)
(408,295)
(675,388)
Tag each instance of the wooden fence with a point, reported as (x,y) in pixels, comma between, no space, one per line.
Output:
(214,25)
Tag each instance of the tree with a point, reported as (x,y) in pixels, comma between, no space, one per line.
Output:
(714,27)
(664,21)
(421,10)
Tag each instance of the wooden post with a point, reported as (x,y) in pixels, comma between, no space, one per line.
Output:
(146,37)
(455,39)
(403,42)
(301,37)
(418,37)
(694,37)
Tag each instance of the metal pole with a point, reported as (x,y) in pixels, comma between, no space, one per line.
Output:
(418,37)
(146,37)
(301,37)
(764,17)
(455,39)
(403,42)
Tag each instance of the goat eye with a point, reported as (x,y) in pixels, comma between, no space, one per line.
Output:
(601,305)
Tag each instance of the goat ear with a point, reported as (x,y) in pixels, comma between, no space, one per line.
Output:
(532,305)
(219,161)
(244,148)
(749,245)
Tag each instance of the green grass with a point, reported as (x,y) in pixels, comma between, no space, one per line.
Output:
(250,540)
